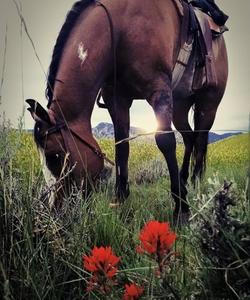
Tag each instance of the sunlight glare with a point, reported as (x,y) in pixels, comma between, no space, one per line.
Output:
(142,116)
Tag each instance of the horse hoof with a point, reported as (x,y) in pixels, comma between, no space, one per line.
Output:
(181,219)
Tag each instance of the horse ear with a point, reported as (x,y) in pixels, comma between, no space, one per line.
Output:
(37,112)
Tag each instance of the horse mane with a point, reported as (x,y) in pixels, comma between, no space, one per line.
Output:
(64,33)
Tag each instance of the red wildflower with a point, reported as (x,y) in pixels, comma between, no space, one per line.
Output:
(102,264)
(157,240)
(156,237)
(132,292)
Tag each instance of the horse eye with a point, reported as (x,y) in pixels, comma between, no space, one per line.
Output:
(53,157)
(57,156)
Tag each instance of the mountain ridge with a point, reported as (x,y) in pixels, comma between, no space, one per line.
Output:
(106,130)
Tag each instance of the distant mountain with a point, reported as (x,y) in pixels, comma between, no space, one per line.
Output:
(214,137)
(106,130)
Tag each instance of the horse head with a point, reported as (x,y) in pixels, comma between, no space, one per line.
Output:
(68,152)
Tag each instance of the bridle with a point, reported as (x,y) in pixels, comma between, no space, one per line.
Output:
(63,128)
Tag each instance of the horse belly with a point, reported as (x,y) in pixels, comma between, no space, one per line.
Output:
(143,65)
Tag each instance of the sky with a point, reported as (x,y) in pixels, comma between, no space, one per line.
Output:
(25,78)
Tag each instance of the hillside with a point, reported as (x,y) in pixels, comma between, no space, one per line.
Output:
(232,152)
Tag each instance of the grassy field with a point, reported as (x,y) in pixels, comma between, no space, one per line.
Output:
(41,254)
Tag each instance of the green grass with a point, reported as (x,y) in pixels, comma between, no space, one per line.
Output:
(41,254)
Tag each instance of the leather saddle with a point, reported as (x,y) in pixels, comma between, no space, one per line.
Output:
(206,51)
(196,35)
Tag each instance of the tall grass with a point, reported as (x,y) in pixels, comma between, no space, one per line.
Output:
(41,253)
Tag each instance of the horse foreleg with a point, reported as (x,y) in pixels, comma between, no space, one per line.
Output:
(162,104)
(121,127)
(119,113)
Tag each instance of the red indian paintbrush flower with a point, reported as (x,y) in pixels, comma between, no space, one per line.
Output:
(156,240)
(156,237)
(132,292)
(102,264)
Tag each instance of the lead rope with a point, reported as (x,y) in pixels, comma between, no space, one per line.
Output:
(112,37)
(113,48)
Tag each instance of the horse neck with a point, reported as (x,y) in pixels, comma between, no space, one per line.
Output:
(85,64)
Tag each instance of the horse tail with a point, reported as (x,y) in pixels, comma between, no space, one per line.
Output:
(199,153)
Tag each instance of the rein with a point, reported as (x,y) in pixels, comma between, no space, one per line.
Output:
(62,126)
(113,48)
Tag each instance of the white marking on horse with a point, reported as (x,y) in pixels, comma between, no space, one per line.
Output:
(49,178)
(119,170)
(82,53)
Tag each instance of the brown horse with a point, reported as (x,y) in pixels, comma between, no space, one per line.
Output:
(129,50)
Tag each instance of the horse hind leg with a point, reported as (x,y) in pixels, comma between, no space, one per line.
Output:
(203,122)
(162,104)
(180,120)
